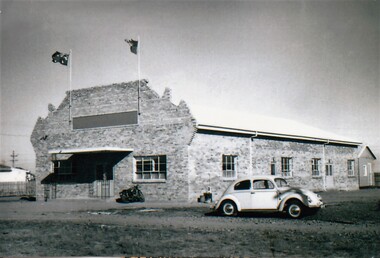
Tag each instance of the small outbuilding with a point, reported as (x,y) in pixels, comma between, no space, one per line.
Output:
(104,139)
(366,175)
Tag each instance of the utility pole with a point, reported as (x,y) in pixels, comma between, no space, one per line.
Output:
(14,156)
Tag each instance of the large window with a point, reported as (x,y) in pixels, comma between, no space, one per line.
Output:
(315,167)
(229,166)
(287,167)
(151,167)
(63,169)
(351,167)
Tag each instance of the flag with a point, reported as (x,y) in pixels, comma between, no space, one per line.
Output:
(61,58)
(134,44)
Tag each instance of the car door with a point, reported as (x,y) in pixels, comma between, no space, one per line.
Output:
(264,195)
(242,191)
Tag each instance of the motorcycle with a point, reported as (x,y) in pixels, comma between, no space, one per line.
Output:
(132,194)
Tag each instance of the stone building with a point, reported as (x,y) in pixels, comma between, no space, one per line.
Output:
(101,140)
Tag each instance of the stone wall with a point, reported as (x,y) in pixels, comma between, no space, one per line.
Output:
(255,156)
(163,129)
(205,162)
(265,151)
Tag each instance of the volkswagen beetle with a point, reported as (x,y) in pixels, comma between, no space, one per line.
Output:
(267,193)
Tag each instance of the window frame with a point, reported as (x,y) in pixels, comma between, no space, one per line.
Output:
(351,168)
(267,185)
(316,167)
(329,170)
(63,170)
(242,183)
(158,172)
(286,167)
(273,167)
(229,174)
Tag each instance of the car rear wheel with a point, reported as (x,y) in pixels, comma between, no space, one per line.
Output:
(295,209)
(228,208)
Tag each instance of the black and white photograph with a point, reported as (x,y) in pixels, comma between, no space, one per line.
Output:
(189,128)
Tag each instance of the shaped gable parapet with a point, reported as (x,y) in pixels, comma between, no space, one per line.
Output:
(167,94)
(183,106)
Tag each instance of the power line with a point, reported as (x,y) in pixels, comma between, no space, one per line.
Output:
(14,156)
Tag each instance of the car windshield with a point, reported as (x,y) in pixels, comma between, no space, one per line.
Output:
(280,182)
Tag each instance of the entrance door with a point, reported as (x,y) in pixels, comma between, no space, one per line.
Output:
(329,177)
(103,185)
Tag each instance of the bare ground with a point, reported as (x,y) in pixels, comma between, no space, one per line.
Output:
(348,227)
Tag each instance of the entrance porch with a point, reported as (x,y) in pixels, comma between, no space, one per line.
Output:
(83,173)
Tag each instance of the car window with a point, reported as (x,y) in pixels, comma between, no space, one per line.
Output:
(281,182)
(243,185)
(262,184)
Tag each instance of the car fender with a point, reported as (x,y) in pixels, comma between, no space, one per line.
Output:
(288,196)
(231,198)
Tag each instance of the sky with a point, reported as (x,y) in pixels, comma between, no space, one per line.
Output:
(315,62)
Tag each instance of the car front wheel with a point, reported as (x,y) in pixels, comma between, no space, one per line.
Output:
(294,209)
(228,208)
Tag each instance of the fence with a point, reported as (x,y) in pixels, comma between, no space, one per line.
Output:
(27,188)
(377,179)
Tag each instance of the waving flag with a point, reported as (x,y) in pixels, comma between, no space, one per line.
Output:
(133,44)
(61,58)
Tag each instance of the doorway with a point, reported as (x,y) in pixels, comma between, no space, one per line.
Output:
(103,185)
(329,176)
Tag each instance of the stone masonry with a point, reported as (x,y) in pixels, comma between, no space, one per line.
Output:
(255,157)
(163,129)
(194,157)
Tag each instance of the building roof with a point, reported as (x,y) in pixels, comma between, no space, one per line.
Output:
(369,151)
(256,125)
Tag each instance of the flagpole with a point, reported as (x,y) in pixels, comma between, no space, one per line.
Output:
(70,82)
(138,70)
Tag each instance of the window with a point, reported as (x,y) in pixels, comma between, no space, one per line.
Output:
(351,167)
(243,185)
(262,184)
(329,169)
(151,167)
(281,182)
(286,167)
(229,166)
(273,167)
(315,167)
(63,169)
(365,170)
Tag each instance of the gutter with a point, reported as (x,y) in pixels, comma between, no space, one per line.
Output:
(277,135)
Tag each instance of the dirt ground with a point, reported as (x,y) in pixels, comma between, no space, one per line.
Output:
(349,226)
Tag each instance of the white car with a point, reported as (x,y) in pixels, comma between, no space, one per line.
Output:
(267,193)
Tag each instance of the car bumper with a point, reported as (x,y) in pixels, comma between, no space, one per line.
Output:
(317,205)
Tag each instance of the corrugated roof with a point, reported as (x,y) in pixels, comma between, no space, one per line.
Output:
(249,123)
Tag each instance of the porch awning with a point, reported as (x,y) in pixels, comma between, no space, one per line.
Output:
(89,150)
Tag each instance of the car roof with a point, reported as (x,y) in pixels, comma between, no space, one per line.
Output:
(258,177)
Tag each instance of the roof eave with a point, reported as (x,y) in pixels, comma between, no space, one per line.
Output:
(276,135)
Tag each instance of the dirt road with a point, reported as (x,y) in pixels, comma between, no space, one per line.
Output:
(348,227)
